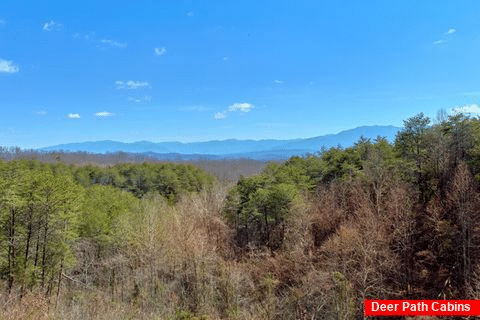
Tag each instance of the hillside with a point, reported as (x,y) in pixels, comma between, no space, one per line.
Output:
(308,238)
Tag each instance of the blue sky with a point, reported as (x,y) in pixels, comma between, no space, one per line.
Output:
(73,71)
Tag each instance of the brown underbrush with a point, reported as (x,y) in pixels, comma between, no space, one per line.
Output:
(342,245)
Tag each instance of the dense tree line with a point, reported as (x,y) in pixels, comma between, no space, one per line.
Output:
(437,252)
(167,179)
(257,205)
(223,169)
(45,208)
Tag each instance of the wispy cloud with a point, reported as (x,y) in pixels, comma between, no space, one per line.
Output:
(73,116)
(473,108)
(41,113)
(441,41)
(52,25)
(112,43)
(104,114)
(100,43)
(131,84)
(471,93)
(244,107)
(141,99)
(195,108)
(160,51)
(190,13)
(450,31)
(8,66)
(278,81)
(219,115)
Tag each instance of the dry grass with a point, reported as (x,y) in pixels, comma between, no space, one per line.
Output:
(31,306)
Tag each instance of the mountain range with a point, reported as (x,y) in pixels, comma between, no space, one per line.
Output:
(232,149)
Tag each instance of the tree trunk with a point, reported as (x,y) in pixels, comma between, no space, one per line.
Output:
(44,253)
(29,236)
(11,249)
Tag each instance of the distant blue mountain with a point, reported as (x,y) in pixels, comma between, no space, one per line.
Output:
(345,138)
(232,149)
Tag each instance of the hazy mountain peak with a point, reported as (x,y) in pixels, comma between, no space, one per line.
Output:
(234,148)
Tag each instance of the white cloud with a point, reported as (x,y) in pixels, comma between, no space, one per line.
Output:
(142,99)
(49,26)
(471,93)
(244,107)
(219,115)
(132,99)
(450,31)
(438,42)
(112,43)
(104,114)
(278,81)
(131,84)
(41,113)
(195,108)
(473,108)
(160,51)
(7,66)
(73,116)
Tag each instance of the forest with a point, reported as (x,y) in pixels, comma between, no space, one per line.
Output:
(127,237)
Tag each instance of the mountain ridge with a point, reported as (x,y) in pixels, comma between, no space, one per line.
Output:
(262,149)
